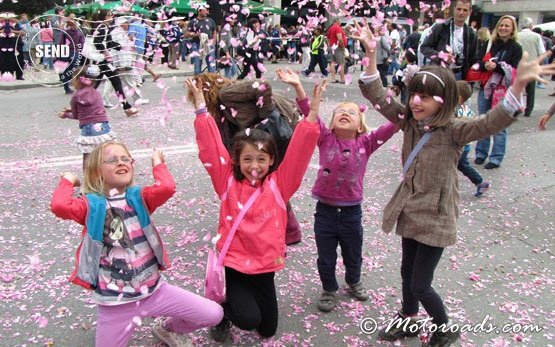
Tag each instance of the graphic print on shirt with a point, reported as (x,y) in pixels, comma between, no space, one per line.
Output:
(348,164)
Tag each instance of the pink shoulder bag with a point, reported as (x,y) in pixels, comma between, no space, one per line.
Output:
(214,283)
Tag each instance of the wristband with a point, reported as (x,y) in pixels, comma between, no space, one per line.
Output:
(201,110)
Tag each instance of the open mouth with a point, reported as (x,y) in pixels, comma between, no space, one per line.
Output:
(122,171)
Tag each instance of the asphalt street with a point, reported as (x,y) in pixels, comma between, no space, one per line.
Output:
(501,271)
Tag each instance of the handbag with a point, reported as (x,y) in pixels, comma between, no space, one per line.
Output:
(214,281)
(476,75)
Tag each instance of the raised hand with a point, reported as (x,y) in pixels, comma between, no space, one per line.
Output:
(289,77)
(195,86)
(157,157)
(317,93)
(70,176)
(293,80)
(528,71)
(365,36)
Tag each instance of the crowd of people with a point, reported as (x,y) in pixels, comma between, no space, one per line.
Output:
(122,254)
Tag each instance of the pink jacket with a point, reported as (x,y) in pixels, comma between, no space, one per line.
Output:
(259,243)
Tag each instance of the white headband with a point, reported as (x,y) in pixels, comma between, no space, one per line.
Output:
(433,75)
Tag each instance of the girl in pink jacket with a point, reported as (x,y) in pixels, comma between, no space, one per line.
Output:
(257,249)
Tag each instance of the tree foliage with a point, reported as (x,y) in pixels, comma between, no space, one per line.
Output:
(31,7)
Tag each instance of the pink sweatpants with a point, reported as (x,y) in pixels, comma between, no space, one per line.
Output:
(187,311)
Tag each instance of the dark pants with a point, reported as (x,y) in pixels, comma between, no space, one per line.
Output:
(417,271)
(338,226)
(251,301)
(467,169)
(530,98)
(247,63)
(8,62)
(382,69)
(319,59)
(113,77)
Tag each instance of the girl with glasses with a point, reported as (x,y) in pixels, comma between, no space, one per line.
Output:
(121,256)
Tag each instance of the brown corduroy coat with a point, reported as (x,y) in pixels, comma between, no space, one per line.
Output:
(425,206)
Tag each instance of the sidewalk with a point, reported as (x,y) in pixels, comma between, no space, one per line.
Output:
(37,79)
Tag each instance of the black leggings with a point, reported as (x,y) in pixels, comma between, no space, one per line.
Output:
(251,301)
(417,271)
(113,77)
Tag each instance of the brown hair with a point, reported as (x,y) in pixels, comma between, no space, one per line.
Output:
(93,182)
(465,91)
(211,85)
(428,85)
(258,138)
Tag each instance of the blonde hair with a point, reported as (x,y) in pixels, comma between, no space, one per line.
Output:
(514,32)
(363,124)
(93,182)
(483,34)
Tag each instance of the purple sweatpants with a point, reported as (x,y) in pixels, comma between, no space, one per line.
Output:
(187,311)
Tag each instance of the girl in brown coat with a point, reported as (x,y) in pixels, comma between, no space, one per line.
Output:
(425,205)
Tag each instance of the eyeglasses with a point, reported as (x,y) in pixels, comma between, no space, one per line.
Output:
(349,112)
(115,160)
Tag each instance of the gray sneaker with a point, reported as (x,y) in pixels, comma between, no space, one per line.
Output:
(326,301)
(358,291)
(170,338)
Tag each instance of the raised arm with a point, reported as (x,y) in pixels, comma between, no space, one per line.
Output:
(370,83)
(289,77)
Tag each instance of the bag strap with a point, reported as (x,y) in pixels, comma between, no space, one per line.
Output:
(415,151)
(233,229)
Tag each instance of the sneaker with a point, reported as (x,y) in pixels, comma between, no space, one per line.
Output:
(481,188)
(69,91)
(479,161)
(358,291)
(440,338)
(490,166)
(220,332)
(170,338)
(326,301)
(401,327)
(540,86)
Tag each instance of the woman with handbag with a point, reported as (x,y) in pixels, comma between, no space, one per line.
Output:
(253,241)
(504,48)
(103,42)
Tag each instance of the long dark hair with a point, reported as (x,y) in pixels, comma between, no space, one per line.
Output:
(99,17)
(257,138)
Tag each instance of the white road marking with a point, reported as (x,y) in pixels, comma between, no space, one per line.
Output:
(21,165)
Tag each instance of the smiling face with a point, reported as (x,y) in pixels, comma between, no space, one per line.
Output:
(423,106)
(254,163)
(347,122)
(116,169)
(505,29)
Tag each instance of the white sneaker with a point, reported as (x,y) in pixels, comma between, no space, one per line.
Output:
(170,338)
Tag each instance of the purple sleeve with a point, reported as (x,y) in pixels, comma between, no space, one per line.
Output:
(380,136)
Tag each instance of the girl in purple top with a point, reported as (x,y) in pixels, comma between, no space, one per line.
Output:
(344,152)
(87,107)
